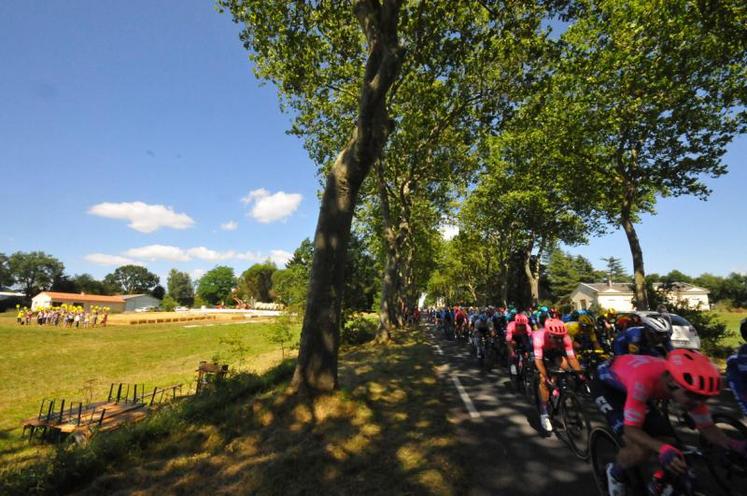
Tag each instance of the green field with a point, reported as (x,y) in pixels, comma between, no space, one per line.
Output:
(732,320)
(76,364)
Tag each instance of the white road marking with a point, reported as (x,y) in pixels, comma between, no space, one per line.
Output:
(465,398)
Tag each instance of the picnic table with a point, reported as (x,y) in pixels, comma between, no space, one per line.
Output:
(80,421)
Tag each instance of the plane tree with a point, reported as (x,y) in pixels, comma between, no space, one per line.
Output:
(336,65)
(644,100)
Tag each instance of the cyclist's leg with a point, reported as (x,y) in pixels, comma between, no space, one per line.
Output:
(611,403)
(737,383)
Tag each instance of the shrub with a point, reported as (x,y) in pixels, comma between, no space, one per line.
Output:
(710,329)
(358,330)
(168,303)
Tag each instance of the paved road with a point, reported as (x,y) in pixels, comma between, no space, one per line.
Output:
(499,430)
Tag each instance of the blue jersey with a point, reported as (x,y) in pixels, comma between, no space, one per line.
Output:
(633,341)
(736,375)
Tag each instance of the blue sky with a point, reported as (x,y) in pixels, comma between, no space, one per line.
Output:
(133,130)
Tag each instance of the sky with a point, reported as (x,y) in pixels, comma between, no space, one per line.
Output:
(135,132)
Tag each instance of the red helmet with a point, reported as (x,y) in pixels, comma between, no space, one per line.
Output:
(694,372)
(556,327)
(521,319)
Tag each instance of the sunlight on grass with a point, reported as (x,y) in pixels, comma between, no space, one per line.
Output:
(374,436)
(79,364)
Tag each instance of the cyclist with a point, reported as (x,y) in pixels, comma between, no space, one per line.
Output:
(583,333)
(652,337)
(460,318)
(736,371)
(518,333)
(482,328)
(552,346)
(625,390)
(498,320)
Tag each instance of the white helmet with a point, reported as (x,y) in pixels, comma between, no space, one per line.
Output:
(657,323)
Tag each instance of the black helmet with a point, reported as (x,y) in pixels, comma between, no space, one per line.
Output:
(743,329)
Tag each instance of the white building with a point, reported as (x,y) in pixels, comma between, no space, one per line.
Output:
(56,298)
(684,294)
(617,295)
(135,301)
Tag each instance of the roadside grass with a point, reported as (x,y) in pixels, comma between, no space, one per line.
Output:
(80,364)
(384,432)
(732,320)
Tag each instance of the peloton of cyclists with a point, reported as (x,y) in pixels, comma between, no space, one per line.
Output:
(647,335)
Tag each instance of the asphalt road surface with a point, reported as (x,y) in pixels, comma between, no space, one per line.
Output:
(499,428)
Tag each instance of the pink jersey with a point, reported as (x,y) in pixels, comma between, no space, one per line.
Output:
(511,329)
(542,343)
(639,376)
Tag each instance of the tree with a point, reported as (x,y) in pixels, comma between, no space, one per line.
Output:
(216,285)
(292,283)
(34,271)
(6,276)
(341,79)
(256,281)
(645,99)
(64,284)
(86,283)
(305,48)
(131,279)
(565,272)
(180,287)
(158,292)
(614,270)
(677,276)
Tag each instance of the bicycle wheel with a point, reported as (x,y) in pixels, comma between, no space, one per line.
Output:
(728,469)
(489,354)
(603,448)
(576,424)
(530,389)
(517,379)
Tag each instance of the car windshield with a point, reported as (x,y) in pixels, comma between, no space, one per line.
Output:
(679,321)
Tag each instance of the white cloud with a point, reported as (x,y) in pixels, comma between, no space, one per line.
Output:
(159,252)
(104,259)
(143,217)
(280,257)
(229,226)
(176,254)
(210,255)
(271,207)
(448,231)
(251,256)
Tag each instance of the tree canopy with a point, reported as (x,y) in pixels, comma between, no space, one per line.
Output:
(217,284)
(131,279)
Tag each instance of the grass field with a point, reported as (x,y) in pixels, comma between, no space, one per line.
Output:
(76,364)
(732,320)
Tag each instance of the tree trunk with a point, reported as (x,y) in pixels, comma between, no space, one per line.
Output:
(316,369)
(387,309)
(532,274)
(639,275)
